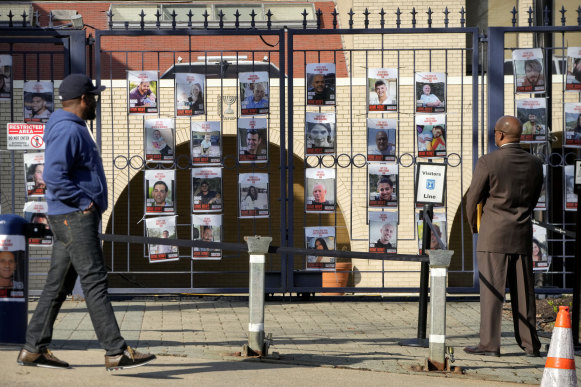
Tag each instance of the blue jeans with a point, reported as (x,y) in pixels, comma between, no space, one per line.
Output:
(76,250)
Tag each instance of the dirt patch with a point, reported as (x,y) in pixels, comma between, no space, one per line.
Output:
(547,310)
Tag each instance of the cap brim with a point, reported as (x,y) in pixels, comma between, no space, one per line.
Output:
(98,90)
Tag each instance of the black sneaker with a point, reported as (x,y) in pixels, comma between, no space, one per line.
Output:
(44,358)
(130,358)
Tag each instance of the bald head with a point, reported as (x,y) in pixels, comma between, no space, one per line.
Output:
(510,129)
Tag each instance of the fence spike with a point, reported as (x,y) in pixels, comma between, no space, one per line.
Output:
(351,13)
(10,16)
(366,21)
(221,19)
(157,16)
(268,19)
(190,15)
(446,20)
(110,19)
(429,17)
(382,19)
(335,13)
(205,15)
(546,15)
(414,13)
(462,17)
(563,18)
(24,15)
(173,19)
(142,20)
(514,12)
(530,20)
(398,19)
(319,14)
(305,14)
(253,19)
(237,19)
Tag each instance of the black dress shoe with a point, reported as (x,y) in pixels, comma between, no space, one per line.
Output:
(475,350)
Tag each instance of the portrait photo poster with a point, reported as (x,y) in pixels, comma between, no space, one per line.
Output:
(382,90)
(5,77)
(320,238)
(319,190)
(189,94)
(382,232)
(431,135)
(208,228)
(381,139)
(142,92)
(572,125)
(529,71)
(206,143)
(159,191)
(252,140)
(33,171)
(162,227)
(321,83)
(573,82)
(254,93)
(440,225)
(35,212)
(13,256)
(383,184)
(207,189)
(38,101)
(253,195)
(532,112)
(570,195)
(320,133)
(430,88)
(541,259)
(159,140)
(542,202)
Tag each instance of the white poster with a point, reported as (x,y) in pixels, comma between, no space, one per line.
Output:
(5,77)
(206,142)
(542,202)
(320,133)
(321,84)
(34,169)
(440,225)
(35,212)
(430,92)
(382,232)
(162,227)
(381,139)
(207,189)
(320,238)
(570,195)
(573,69)
(38,101)
(159,140)
(142,89)
(541,258)
(253,195)
(25,136)
(252,140)
(572,125)
(430,183)
(254,93)
(431,134)
(383,184)
(189,97)
(532,112)
(382,90)
(207,228)
(529,72)
(160,191)
(319,190)
(12,262)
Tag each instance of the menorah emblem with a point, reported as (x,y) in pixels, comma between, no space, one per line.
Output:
(229,100)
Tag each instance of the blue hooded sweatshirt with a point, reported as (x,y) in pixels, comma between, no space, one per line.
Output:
(73,169)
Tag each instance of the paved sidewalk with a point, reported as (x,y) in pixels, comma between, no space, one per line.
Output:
(350,335)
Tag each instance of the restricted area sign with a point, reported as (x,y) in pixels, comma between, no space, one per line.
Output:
(25,136)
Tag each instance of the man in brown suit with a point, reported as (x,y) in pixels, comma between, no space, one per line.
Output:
(508,183)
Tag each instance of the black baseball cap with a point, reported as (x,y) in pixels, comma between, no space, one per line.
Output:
(75,85)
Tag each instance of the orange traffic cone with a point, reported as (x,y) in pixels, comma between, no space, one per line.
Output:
(560,365)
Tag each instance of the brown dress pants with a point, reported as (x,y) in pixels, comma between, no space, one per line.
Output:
(496,270)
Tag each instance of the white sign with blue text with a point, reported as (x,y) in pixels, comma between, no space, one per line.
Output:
(430,183)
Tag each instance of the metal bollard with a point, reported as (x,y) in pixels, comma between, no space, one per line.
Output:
(439,263)
(257,248)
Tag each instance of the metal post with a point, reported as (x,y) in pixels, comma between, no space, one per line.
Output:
(257,248)
(439,263)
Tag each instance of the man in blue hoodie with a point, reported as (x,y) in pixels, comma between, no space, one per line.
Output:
(77,196)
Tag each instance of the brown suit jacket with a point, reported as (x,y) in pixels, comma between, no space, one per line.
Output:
(508,181)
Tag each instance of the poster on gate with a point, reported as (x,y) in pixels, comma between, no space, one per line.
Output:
(12,262)
(381,139)
(572,136)
(319,190)
(207,228)
(25,136)
(440,225)
(35,212)
(253,195)
(33,170)
(5,77)
(254,93)
(320,238)
(159,140)
(542,202)
(38,101)
(570,195)
(382,90)
(532,112)
(431,134)
(207,189)
(142,92)
(529,72)
(382,232)
(189,97)
(321,83)
(573,69)
(252,140)
(206,143)
(383,184)
(160,191)
(541,258)
(430,91)
(162,227)
(320,133)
